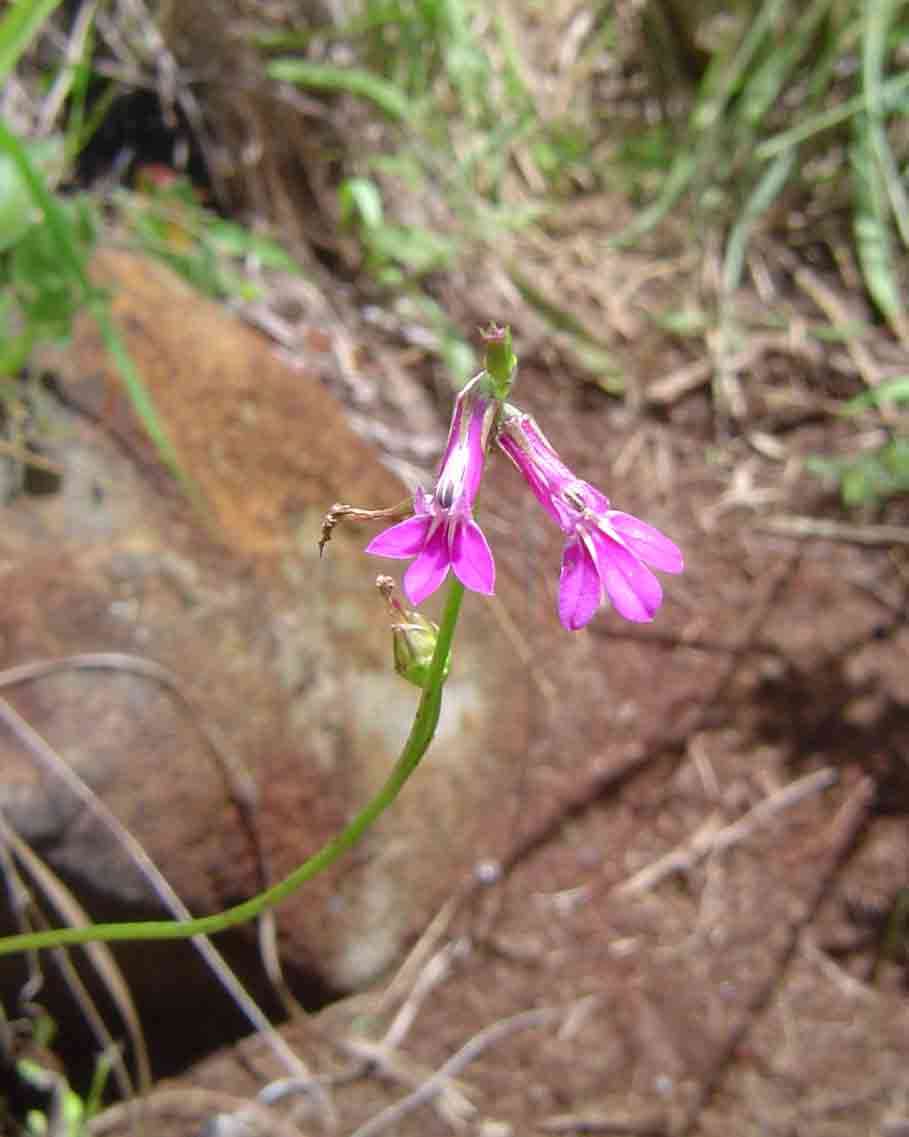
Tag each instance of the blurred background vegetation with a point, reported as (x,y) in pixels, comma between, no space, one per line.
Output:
(444,157)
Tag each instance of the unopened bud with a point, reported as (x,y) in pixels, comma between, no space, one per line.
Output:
(414,646)
(413,638)
(500,361)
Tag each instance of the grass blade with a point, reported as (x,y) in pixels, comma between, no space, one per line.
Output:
(710,109)
(720,83)
(350,80)
(72,261)
(871,226)
(894,390)
(763,87)
(877,21)
(22,22)
(677,181)
(759,201)
(891,93)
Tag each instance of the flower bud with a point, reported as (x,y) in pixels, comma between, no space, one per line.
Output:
(500,361)
(414,640)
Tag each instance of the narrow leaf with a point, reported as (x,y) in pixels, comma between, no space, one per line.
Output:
(354,81)
(871,226)
(22,22)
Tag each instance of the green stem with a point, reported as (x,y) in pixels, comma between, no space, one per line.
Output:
(421,734)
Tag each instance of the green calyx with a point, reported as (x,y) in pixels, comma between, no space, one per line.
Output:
(500,362)
(414,639)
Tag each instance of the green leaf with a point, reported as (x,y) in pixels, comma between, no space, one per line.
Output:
(351,80)
(871,225)
(43,286)
(17,208)
(759,201)
(870,478)
(683,322)
(764,85)
(891,391)
(892,92)
(417,249)
(877,20)
(360,199)
(17,212)
(234,240)
(22,22)
(723,78)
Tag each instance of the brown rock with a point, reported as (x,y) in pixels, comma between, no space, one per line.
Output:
(285,655)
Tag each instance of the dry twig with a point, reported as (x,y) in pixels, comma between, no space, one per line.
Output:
(103,961)
(845,829)
(609,1126)
(66,73)
(196,1106)
(818,528)
(467,1053)
(710,839)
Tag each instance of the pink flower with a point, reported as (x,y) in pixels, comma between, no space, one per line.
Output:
(607,551)
(442,534)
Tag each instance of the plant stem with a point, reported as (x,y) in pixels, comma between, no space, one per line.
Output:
(421,734)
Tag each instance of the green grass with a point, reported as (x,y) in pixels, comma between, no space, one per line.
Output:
(804,109)
(45,242)
(47,274)
(786,83)
(870,478)
(22,23)
(447,78)
(46,238)
(169,222)
(798,81)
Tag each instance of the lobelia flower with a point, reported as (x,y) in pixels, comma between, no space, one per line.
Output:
(442,534)
(607,551)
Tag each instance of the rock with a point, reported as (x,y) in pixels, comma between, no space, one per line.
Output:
(285,657)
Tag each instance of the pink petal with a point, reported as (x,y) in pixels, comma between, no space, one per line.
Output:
(595,501)
(647,543)
(580,591)
(402,540)
(633,589)
(429,569)
(471,559)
